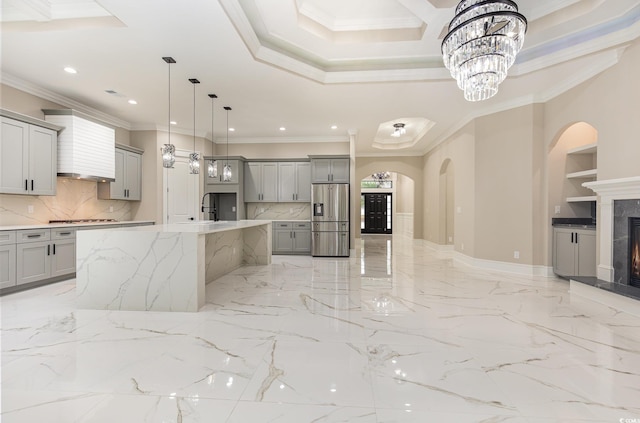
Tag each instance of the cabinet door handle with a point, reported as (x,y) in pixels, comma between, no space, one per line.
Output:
(26,185)
(576,237)
(34,236)
(32,185)
(54,249)
(49,249)
(572,237)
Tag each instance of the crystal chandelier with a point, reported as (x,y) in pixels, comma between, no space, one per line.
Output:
(212,168)
(227,174)
(194,159)
(169,150)
(483,40)
(381,176)
(399,130)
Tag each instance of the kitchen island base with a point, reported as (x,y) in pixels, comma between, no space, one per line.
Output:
(164,267)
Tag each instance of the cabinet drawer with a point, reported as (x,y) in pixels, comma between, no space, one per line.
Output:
(63,233)
(302,225)
(33,235)
(282,225)
(7,237)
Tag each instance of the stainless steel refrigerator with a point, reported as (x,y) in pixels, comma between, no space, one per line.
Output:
(330,220)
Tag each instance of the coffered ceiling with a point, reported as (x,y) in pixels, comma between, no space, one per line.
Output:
(305,65)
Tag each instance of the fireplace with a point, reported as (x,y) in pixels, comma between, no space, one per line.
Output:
(634,251)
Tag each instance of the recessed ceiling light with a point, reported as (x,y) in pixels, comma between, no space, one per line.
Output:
(69,69)
(173,122)
(232,129)
(282,128)
(334,127)
(132,101)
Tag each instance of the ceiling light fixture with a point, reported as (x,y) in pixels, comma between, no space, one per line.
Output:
(282,128)
(483,40)
(70,70)
(169,150)
(132,101)
(212,168)
(227,171)
(194,159)
(398,130)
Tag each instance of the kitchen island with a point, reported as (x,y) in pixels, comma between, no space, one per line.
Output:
(164,267)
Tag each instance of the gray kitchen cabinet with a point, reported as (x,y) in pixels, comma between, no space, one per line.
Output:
(7,259)
(28,158)
(218,166)
(63,252)
(128,178)
(327,170)
(574,252)
(291,237)
(260,182)
(294,182)
(33,255)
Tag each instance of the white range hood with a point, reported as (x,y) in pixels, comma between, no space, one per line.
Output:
(86,147)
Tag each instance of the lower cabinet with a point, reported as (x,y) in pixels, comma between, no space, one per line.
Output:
(44,253)
(7,266)
(574,252)
(291,237)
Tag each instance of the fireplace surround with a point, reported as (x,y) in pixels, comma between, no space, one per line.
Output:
(626,221)
(634,251)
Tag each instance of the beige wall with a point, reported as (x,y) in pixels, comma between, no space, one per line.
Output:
(460,150)
(404,194)
(610,103)
(410,167)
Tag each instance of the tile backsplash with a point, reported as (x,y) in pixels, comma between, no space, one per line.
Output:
(279,211)
(74,199)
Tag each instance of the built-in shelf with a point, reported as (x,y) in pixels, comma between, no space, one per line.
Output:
(584,149)
(585,174)
(581,199)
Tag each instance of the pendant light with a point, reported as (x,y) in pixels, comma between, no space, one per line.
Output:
(227,173)
(169,150)
(212,168)
(194,160)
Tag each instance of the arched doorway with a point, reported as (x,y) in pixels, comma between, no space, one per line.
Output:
(387,204)
(447,201)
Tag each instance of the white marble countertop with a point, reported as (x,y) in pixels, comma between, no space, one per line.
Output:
(72,225)
(199,227)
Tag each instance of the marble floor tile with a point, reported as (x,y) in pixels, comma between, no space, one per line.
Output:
(394,333)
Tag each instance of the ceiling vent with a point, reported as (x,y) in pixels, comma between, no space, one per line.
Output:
(86,148)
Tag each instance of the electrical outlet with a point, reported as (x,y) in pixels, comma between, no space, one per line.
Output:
(261,209)
(557,209)
(233,209)
(462,247)
(291,210)
(110,209)
(459,209)
(450,239)
(516,254)
(30,209)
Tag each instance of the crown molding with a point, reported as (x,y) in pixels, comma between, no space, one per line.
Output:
(22,85)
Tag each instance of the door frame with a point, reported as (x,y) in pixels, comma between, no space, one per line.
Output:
(389,195)
(180,154)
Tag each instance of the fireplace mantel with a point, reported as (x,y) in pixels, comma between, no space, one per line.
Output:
(609,191)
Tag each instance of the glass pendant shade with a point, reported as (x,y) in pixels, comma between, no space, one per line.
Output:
(227,173)
(194,163)
(212,169)
(168,155)
(483,41)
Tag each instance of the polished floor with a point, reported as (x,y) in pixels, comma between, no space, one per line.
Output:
(395,333)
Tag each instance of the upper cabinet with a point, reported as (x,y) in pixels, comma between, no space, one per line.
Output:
(581,167)
(330,170)
(295,182)
(261,182)
(28,157)
(216,176)
(128,180)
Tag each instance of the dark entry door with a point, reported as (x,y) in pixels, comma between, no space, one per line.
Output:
(376,207)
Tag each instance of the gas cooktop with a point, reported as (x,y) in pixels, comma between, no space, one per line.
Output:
(83,221)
